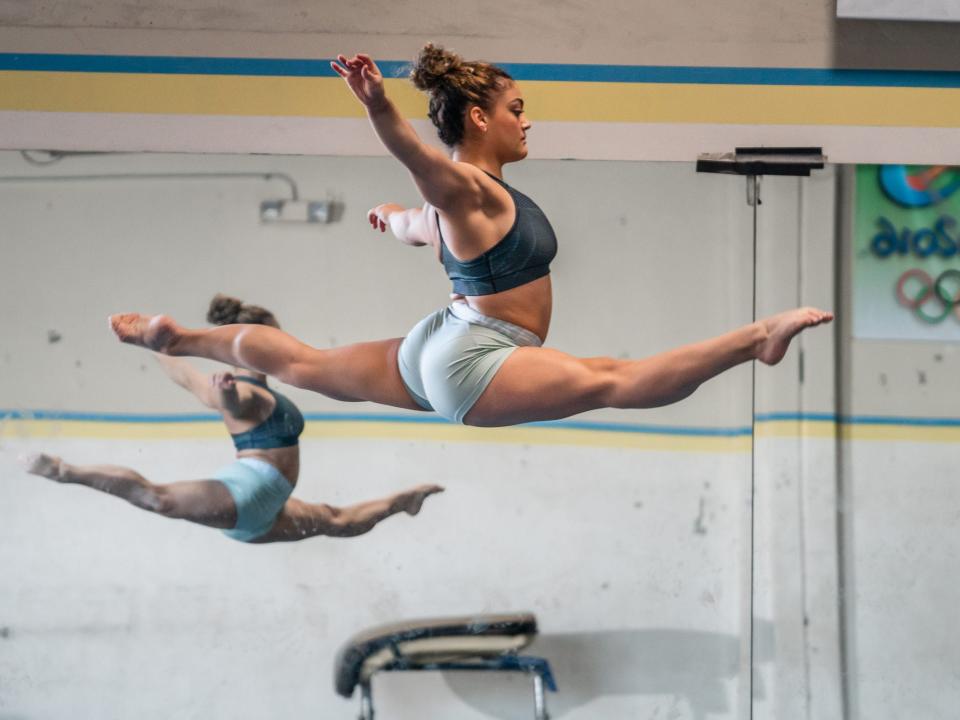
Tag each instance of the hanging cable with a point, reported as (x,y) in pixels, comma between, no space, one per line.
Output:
(754,162)
(754,199)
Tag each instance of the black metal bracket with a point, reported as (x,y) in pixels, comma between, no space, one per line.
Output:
(755,161)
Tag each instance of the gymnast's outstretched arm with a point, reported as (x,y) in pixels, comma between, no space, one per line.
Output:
(413,226)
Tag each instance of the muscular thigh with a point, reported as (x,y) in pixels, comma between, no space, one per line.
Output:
(536,384)
(354,373)
(207,502)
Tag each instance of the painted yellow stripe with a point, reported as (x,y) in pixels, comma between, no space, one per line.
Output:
(532,436)
(550,101)
(524,435)
(796,428)
(744,104)
(193,95)
(858,431)
(32,429)
(901,433)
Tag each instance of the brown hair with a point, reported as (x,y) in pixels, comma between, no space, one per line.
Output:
(454,84)
(226,310)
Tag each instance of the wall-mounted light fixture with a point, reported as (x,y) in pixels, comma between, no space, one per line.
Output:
(295,211)
(290,210)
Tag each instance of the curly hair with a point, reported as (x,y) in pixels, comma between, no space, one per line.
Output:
(454,84)
(226,310)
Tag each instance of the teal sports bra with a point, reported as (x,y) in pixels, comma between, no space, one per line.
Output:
(282,429)
(522,255)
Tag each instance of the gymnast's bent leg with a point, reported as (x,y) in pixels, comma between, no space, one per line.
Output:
(205,502)
(535,384)
(300,520)
(353,373)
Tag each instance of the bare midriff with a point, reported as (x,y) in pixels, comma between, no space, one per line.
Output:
(528,306)
(285,459)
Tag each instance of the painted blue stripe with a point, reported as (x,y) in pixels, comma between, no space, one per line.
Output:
(561,424)
(279,67)
(734,75)
(860,419)
(367,418)
(558,424)
(644,429)
(107,417)
(916,422)
(163,65)
(796,417)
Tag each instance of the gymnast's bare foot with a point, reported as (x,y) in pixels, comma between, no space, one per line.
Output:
(154,332)
(43,465)
(416,496)
(782,328)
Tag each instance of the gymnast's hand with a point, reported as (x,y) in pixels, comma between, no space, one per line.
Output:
(363,77)
(223,381)
(379,217)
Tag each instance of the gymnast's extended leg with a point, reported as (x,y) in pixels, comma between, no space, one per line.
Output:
(206,502)
(362,371)
(300,520)
(533,384)
(536,384)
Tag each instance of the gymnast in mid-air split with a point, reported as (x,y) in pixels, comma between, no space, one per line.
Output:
(249,499)
(479,361)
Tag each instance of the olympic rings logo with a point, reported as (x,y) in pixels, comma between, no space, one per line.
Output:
(925,289)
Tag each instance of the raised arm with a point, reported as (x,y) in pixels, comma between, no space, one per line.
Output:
(187,377)
(442,182)
(218,391)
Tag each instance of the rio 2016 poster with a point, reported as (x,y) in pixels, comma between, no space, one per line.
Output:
(906,253)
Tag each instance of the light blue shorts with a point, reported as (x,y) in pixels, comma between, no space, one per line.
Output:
(450,357)
(259,491)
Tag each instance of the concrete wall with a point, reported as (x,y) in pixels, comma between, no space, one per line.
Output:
(633,547)
(642,587)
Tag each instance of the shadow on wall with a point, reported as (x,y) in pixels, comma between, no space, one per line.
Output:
(685,665)
(896,45)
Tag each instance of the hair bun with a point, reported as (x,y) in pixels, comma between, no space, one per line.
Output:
(224,310)
(432,65)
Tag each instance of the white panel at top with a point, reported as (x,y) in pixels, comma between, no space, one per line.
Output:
(900,9)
